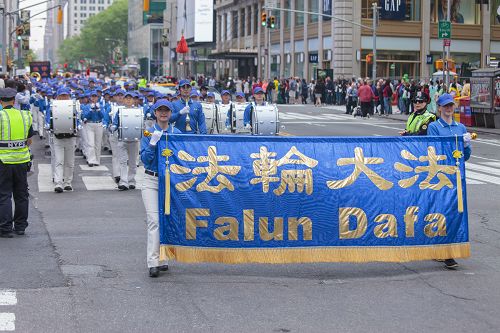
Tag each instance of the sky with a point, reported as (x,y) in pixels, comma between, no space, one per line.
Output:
(37,23)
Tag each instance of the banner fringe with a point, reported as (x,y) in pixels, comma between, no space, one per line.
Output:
(311,255)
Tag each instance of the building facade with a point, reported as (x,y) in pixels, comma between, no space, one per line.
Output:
(145,29)
(54,33)
(80,10)
(302,43)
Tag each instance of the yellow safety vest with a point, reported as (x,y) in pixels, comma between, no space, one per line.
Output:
(14,128)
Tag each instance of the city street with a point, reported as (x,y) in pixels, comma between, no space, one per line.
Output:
(82,265)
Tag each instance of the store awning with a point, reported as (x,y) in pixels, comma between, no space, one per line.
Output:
(233,54)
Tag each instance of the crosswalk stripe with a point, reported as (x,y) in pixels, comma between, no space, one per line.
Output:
(45,178)
(478,167)
(85,167)
(8,297)
(99,183)
(7,321)
(483,177)
(495,164)
(471,181)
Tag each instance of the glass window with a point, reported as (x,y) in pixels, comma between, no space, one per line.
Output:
(313,7)
(299,17)
(287,16)
(461,11)
(495,12)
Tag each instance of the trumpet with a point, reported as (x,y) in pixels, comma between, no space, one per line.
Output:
(147,133)
(36,75)
(473,136)
(68,75)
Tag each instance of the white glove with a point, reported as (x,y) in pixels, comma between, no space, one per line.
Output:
(46,126)
(148,115)
(247,126)
(104,126)
(79,127)
(155,137)
(467,138)
(112,128)
(185,110)
(228,127)
(92,105)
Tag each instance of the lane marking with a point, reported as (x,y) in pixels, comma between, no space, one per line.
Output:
(478,167)
(8,297)
(473,182)
(485,158)
(487,143)
(483,177)
(99,183)
(495,164)
(45,183)
(7,321)
(85,167)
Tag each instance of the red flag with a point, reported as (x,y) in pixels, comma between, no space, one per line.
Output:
(182,46)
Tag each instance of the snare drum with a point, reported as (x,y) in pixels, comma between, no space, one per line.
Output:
(63,117)
(265,120)
(239,112)
(210,112)
(222,116)
(131,124)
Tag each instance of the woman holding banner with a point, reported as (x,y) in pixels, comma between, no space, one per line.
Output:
(149,156)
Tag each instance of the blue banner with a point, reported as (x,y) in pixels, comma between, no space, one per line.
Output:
(237,199)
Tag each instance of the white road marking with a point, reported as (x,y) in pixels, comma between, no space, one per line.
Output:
(7,321)
(485,158)
(85,167)
(99,183)
(486,142)
(482,168)
(8,297)
(45,183)
(495,164)
(483,177)
(474,182)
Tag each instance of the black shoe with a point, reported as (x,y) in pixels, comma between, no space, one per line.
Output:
(19,232)
(163,268)
(58,190)
(90,165)
(117,180)
(132,187)
(122,188)
(47,146)
(154,272)
(41,138)
(106,148)
(6,235)
(450,264)
(68,188)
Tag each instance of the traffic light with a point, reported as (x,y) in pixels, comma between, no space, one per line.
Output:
(145,6)
(59,15)
(264,19)
(273,22)
(19,31)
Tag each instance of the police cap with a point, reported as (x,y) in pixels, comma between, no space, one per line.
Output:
(8,93)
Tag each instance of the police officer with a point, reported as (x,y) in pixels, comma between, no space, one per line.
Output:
(15,137)
(188,115)
(258,96)
(420,118)
(149,156)
(63,150)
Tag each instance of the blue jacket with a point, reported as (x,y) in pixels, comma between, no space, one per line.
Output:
(196,116)
(95,113)
(441,128)
(149,153)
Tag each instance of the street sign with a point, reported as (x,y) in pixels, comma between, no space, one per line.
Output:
(444,30)
(429,59)
(271,3)
(446,42)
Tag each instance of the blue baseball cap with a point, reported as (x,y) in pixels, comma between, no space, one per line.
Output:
(240,94)
(163,102)
(224,92)
(120,91)
(63,91)
(184,83)
(94,93)
(194,92)
(445,99)
(258,90)
(211,94)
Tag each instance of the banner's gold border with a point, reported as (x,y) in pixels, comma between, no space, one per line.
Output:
(314,254)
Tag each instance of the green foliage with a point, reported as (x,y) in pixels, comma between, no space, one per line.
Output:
(29,57)
(100,35)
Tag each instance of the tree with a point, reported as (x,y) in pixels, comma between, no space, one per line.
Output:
(100,36)
(29,57)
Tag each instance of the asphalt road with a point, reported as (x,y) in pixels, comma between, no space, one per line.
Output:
(81,267)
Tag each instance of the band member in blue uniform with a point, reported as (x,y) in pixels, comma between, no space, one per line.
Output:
(258,95)
(188,115)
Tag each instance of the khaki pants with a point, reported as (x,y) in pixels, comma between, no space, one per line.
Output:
(150,200)
(94,140)
(115,161)
(34,115)
(64,161)
(127,155)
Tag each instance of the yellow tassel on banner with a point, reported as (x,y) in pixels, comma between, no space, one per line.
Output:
(167,191)
(457,154)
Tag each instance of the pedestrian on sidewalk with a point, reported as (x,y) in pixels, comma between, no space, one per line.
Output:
(387,93)
(366,97)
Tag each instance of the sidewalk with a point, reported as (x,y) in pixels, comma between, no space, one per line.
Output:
(402,117)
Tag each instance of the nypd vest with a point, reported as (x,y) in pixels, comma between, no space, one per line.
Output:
(14,128)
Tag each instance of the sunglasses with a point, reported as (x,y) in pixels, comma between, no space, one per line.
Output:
(419,101)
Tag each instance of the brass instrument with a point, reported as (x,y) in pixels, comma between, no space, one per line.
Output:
(68,75)
(36,75)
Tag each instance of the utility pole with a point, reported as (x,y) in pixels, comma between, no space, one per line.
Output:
(4,32)
(447,74)
(374,27)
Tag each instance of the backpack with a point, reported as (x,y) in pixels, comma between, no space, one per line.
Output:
(271,85)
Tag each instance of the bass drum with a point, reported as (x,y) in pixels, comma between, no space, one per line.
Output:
(63,117)
(238,125)
(131,124)
(265,120)
(210,112)
(223,112)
